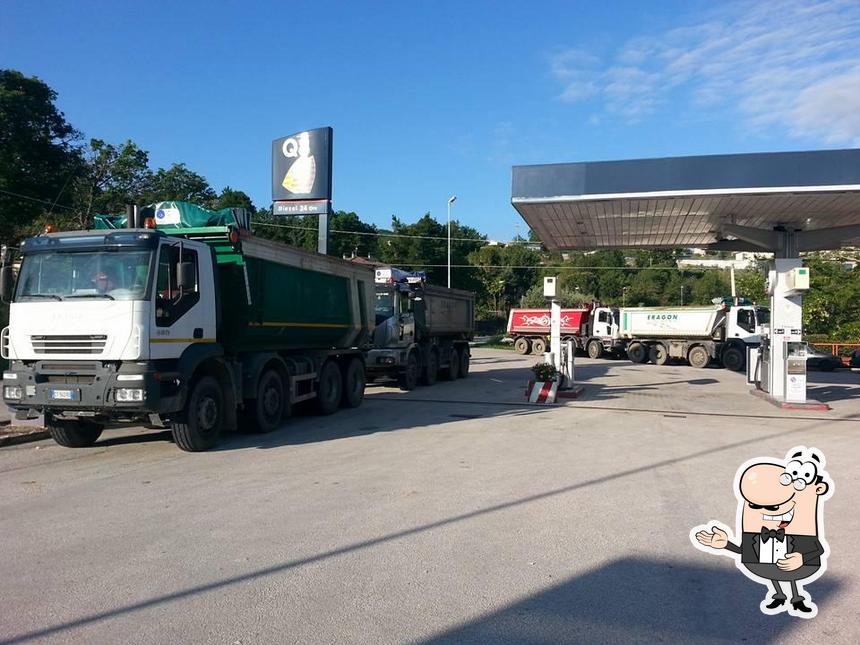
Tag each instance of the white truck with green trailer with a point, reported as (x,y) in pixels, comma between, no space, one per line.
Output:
(189,323)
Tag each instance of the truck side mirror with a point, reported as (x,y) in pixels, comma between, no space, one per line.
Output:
(7,283)
(185,277)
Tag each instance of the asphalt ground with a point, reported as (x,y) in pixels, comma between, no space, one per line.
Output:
(450,514)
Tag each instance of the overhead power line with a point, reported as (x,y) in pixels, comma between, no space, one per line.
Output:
(561,267)
(404,235)
(34,199)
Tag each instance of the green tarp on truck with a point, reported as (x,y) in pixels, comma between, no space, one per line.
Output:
(178,215)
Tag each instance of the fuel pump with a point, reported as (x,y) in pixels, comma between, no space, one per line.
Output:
(795,371)
(782,353)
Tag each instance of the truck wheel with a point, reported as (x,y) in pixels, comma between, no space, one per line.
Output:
(595,349)
(199,426)
(329,389)
(431,369)
(523,345)
(453,370)
(698,357)
(464,362)
(408,378)
(658,354)
(265,413)
(733,358)
(353,384)
(637,352)
(73,434)
(538,346)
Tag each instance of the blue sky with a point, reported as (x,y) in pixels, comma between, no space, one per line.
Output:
(433,99)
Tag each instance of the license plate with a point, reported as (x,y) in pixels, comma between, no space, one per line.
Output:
(64,395)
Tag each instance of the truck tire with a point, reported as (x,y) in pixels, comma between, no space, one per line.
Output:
(431,370)
(733,358)
(265,413)
(538,346)
(73,434)
(329,389)
(408,377)
(637,352)
(199,426)
(523,345)
(464,362)
(658,354)
(453,371)
(698,357)
(353,384)
(594,348)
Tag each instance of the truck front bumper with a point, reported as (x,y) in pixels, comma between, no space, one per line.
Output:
(117,391)
(384,360)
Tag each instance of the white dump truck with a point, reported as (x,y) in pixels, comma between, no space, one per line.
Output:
(698,335)
(195,325)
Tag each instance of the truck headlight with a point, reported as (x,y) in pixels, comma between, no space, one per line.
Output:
(129,394)
(10,376)
(12,392)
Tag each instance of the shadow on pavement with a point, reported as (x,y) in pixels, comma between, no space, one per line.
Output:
(613,601)
(143,437)
(641,600)
(496,392)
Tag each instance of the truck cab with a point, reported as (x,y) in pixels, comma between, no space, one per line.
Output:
(603,336)
(398,300)
(744,322)
(96,319)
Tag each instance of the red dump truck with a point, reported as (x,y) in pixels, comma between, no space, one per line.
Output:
(529,328)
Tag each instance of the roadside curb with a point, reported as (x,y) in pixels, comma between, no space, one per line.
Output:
(26,435)
(811,404)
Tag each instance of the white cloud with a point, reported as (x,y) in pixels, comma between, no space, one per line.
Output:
(791,64)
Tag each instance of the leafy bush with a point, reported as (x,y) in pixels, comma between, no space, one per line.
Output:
(545,372)
(535,299)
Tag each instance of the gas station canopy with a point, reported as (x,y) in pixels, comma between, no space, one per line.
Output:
(784,202)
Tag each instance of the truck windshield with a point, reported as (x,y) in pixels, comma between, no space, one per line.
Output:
(115,275)
(384,305)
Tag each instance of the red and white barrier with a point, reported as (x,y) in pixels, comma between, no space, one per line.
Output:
(542,391)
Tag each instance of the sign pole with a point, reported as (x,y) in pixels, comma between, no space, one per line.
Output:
(322,234)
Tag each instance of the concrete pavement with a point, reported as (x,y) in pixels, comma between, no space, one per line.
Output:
(449,514)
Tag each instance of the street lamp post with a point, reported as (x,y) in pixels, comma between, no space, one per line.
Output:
(452,199)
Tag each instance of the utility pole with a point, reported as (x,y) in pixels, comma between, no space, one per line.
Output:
(450,201)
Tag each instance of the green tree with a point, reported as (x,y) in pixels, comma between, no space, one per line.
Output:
(179,183)
(832,304)
(422,246)
(230,198)
(709,284)
(38,156)
(535,299)
(651,287)
(299,231)
(750,283)
(112,177)
(504,274)
(655,257)
(360,239)
(601,273)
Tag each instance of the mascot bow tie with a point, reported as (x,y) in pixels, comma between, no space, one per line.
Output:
(767,534)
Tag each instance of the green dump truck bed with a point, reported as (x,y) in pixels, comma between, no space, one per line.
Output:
(277,297)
